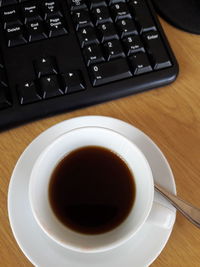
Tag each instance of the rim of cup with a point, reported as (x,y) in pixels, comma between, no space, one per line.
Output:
(43,168)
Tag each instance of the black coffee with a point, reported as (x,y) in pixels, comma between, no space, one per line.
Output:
(91,190)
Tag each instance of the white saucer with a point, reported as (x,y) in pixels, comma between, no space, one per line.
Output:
(139,251)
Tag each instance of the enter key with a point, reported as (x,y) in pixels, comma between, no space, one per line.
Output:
(156,50)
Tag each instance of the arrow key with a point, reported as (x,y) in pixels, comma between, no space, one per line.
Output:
(45,66)
(49,86)
(73,82)
(27,93)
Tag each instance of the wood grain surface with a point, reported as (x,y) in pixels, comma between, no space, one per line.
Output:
(169,115)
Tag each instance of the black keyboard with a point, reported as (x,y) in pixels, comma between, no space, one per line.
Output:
(60,55)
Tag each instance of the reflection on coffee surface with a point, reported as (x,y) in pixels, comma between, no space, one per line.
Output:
(91,190)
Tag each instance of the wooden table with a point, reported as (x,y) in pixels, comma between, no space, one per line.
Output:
(169,115)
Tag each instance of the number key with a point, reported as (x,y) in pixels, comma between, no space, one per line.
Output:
(120,11)
(126,27)
(101,15)
(107,32)
(113,50)
(87,36)
(93,54)
(109,71)
(133,44)
(81,18)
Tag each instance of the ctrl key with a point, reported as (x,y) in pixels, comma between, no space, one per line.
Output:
(14,34)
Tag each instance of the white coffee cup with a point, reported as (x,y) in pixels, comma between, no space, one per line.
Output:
(52,155)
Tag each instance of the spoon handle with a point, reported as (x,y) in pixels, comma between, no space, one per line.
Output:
(189,211)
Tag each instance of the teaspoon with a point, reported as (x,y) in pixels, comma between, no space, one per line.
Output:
(189,211)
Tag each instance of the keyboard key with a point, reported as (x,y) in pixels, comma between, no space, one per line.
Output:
(81,18)
(77,4)
(113,50)
(7,2)
(50,9)
(145,24)
(120,11)
(3,78)
(35,31)
(156,50)
(133,44)
(14,34)
(111,2)
(45,66)
(1,63)
(4,99)
(137,4)
(9,15)
(139,63)
(28,93)
(72,82)
(142,15)
(56,26)
(107,32)
(30,11)
(101,15)
(96,3)
(49,86)
(93,54)
(87,36)
(126,27)
(109,72)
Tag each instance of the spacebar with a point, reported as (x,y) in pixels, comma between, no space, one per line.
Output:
(109,71)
